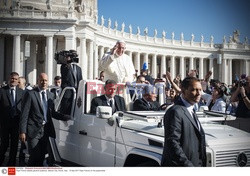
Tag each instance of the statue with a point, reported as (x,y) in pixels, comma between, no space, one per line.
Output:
(102,20)
(172,35)
(130,29)
(246,41)
(109,23)
(224,39)
(49,4)
(230,39)
(18,4)
(192,37)
(182,36)
(138,30)
(146,31)
(80,7)
(155,33)
(123,27)
(163,34)
(212,39)
(236,35)
(71,5)
(116,25)
(96,18)
(202,38)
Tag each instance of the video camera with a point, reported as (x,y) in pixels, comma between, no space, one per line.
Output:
(242,83)
(64,57)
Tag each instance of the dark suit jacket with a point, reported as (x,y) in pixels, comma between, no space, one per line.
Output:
(67,75)
(102,101)
(142,105)
(184,142)
(32,114)
(6,105)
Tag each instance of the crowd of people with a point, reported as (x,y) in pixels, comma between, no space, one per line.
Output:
(27,111)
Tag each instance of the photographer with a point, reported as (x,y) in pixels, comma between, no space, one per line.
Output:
(71,75)
(242,95)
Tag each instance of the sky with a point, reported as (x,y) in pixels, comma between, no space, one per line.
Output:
(199,17)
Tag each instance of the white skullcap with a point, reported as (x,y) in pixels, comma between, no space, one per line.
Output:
(120,41)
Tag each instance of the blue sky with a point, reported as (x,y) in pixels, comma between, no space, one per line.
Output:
(200,17)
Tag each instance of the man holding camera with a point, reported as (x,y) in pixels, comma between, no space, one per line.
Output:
(242,95)
(71,75)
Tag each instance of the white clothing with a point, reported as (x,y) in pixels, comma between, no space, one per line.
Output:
(117,68)
(219,105)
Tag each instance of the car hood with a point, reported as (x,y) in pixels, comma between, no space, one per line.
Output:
(213,131)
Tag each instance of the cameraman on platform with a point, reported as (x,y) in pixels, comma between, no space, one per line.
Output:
(71,75)
(242,95)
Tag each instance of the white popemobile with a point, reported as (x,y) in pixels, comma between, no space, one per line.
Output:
(135,138)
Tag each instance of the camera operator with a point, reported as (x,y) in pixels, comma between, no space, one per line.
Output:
(71,75)
(242,95)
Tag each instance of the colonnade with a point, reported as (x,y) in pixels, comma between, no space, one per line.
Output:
(90,50)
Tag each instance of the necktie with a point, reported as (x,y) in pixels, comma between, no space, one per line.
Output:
(75,73)
(111,103)
(13,110)
(12,97)
(196,119)
(44,102)
(57,92)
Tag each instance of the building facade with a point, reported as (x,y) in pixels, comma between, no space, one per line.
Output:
(32,31)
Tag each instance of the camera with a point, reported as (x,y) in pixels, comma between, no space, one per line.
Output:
(242,83)
(64,57)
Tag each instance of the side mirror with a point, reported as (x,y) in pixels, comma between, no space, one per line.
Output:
(203,108)
(104,112)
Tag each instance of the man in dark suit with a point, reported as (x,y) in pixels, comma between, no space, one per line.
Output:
(57,89)
(148,101)
(36,123)
(109,98)
(184,136)
(71,75)
(10,108)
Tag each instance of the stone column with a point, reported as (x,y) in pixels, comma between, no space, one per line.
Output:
(246,67)
(230,73)
(211,67)
(137,62)
(49,58)
(83,57)
(201,68)
(70,42)
(163,65)
(101,52)
(154,66)
(31,64)
(182,68)
(22,58)
(145,58)
(2,59)
(16,53)
(91,60)
(191,63)
(129,53)
(172,67)
(224,70)
(96,61)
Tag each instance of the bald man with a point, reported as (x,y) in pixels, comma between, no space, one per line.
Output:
(36,123)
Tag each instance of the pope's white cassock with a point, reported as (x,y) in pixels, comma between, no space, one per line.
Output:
(117,68)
